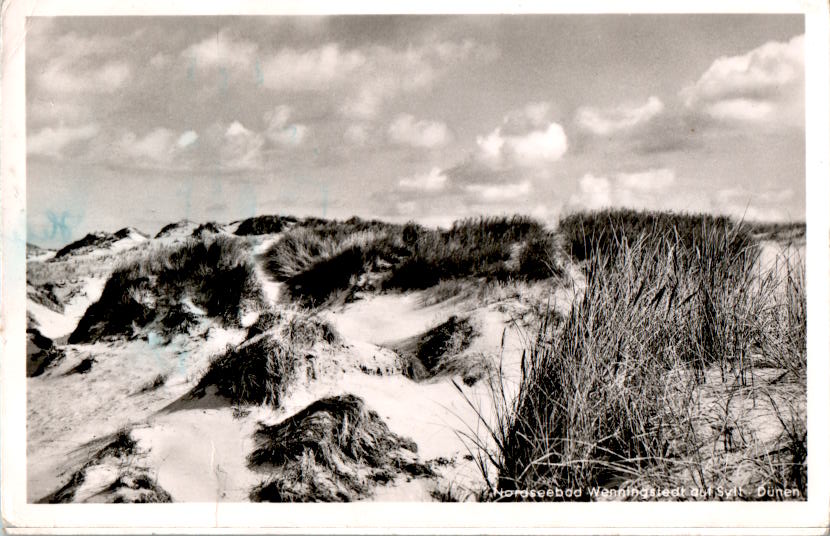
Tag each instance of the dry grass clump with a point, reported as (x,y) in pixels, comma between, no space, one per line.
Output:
(602,232)
(217,275)
(158,381)
(254,372)
(303,331)
(612,395)
(132,485)
(477,247)
(436,352)
(331,451)
(318,260)
(260,225)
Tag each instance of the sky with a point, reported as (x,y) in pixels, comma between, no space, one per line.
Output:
(141,121)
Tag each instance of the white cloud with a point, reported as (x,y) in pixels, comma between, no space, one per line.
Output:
(62,75)
(643,189)
(433,181)
(187,138)
(594,192)
(222,49)
(539,146)
(406,130)
(242,148)
(490,146)
(278,129)
(610,120)
(310,70)
(766,83)
(535,147)
(155,147)
(70,63)
(366,76)
(525,138)
(500,192)
(51,141)
(741,109)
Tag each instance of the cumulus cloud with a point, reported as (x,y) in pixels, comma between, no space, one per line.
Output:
(406,130)
(155,146)
(242,148)
(62,76)
(766,83)
(525,138)
(312,69)
(365,76)
(280,131)
(187,138)
(605,121)
(72,64)
(594,192)
(221,50)
(635,190)
(51,141)
(433,181)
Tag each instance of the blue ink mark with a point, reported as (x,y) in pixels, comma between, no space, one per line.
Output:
(260,77)
(155,341)
(59,228)
(191,69)
(59,225)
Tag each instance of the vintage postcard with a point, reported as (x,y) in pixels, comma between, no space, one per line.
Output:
(542,267)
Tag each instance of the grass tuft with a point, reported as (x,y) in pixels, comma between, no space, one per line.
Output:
(255,372)
(216,274)
(332,451)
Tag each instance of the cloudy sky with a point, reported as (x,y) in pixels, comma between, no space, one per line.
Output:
(142,121)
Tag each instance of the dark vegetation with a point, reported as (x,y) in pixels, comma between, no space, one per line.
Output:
(216,274)
(331,451)
(45,295)
(84,366)
(255,372)
(605,232)
(171,228)
(157,381)
(95,240)
(132,485)
(41,351)
(319,260)
(612,394)
(436,353)
(208,228)
(260,225)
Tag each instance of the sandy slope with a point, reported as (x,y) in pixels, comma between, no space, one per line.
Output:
(54,324)
(196,449)
(66,411)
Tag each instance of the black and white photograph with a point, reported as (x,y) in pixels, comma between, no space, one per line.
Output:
(417,258)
